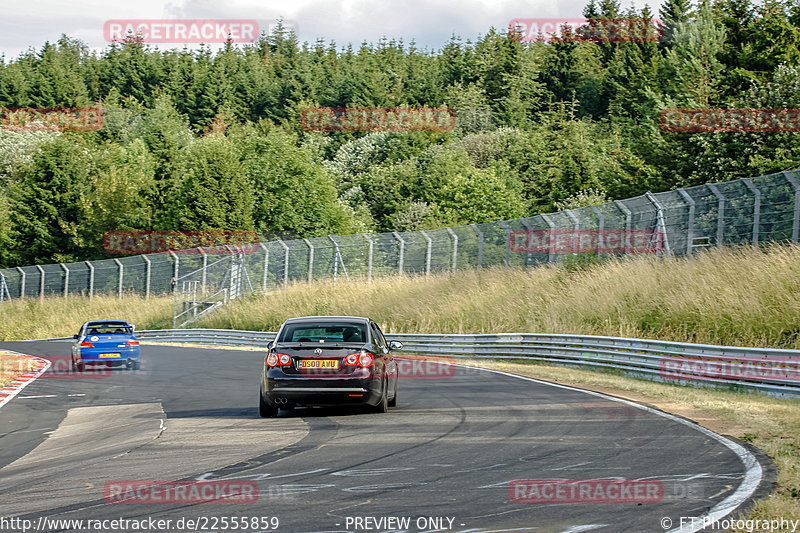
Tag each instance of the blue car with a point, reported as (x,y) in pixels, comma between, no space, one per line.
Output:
(110,342)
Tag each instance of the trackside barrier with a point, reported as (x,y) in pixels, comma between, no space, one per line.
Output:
(770,371)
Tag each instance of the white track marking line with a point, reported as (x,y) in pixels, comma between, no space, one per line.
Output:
(44,365)
(753,471)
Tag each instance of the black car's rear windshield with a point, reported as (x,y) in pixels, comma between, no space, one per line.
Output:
(108,329)
(323,332)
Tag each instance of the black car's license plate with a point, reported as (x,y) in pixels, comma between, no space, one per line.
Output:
(318,364)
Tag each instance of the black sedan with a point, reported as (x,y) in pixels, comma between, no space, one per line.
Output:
(329,360)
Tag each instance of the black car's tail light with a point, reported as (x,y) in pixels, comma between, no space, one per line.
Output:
(363,359)
(278,359)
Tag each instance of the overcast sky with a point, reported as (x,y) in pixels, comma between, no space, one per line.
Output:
(30,23)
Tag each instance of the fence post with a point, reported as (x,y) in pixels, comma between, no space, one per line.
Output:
(174,288)
(22,283)
(66,279)
(661,222)
(205,268)
(146,277)
(266,266)
(310,260)
(337,258)
(427,254)
(455,247)
(121,270)
(3,287)
(577,226)
(402,251)
(528,256)
(369,258)
(601,219)
(41,282)
(176,266)
(508,236)
(551,252)
(756,207)
(627,212)
(480,244)
(796,218)
(720,213)
(690,228)
(285,263)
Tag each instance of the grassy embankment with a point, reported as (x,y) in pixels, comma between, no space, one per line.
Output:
(741,297)
(32,318)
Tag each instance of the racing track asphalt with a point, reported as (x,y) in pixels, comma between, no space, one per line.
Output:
(449,449)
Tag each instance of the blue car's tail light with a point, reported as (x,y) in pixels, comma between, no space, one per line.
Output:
(86,344)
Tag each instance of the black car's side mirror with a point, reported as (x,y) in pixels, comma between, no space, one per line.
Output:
(395,345)
(270,344)
(74,336)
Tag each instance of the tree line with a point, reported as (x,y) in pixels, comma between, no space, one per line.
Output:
(196,140)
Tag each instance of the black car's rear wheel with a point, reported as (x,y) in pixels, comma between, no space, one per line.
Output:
(393,401)
(383,405)
(266,410)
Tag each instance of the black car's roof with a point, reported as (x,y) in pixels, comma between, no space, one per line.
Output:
(115,322)
(330,318)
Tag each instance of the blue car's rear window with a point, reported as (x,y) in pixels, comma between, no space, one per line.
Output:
(109,329)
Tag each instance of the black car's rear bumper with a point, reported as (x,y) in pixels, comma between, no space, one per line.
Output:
(327,391)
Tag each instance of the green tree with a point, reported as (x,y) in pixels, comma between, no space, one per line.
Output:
(118,193)
(672,13)
(293,193)
(45,204)
(215,193)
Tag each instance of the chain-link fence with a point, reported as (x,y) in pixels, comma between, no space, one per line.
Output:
(679,222)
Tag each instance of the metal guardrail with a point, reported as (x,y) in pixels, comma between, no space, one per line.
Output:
(222,337)
(770,371)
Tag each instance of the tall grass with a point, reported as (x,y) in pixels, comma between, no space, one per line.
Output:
(32,318)
(737,296)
